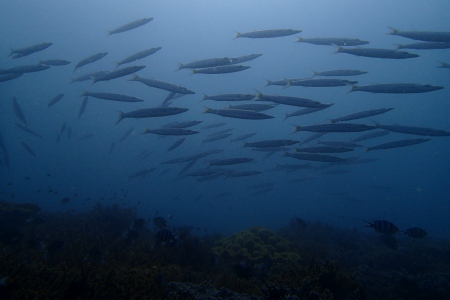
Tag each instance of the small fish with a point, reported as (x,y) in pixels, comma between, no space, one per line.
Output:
(24,69)
(206,63)
(230,161)
(271,143)
(29,50)
(165,236)
(139,55)
(332,41)
(416,232)
(396,88)
(383,226)
(142,174)
(90,59)
(126,134)
(335,127)
(54,62)
(377,53)
(55,100)
(130,26)
(29,130)
(18,111)
(82,107)
(238,114)
(170,131)
(220,69)
(111,96)
(28,148)
(151,112)
(170,87)
(428,36)
(270,33)
(176,144)
(397,144)
(229,97)
(345,72)
(118,73)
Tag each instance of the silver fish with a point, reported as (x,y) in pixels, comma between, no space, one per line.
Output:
(270,33)
(130,26)
(90,59)
(118,73)
(151,112)
(111,96)
(397,144)
(140,55)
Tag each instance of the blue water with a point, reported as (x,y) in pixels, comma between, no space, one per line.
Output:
(411,183)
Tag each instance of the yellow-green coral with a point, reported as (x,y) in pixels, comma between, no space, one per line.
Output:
(256,244)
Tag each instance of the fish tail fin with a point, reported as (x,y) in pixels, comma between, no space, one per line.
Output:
(399,46)
(109,33)
(121,114)
(180,66)
(257,95)
(207,109)
(84,93)
(370,224)
(288,83)
(11,52)
(299,39)
(338,49)
(352,88)
(204,97)
(393,31)
(314,73)
(268,82)
(367,149)
(296,128)
(146,130)
(118,64)
(193,71)
(286,116)
(245,144)
(133,78)
(238,34)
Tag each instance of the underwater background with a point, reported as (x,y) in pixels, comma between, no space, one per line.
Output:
(88,178)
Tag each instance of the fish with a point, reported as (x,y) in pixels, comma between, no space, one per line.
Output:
(243,173)
(414,130)
(428,36)
(192,157)
(159,222)
(151,112)
(126,134)
(229,97)
(170,131)
(332,41)
(293,167)
(24,69)
(111,96)
(55,100)
(361,114)
(118,73)
(167,86)
(230,161)
(184,124)
(216,137)
(137,56)
(304,111)
(320,82)
(253,107)
(86,136)
(396,88)
(142,173)
(206,63)
(344,72)
(8,77)
(165,236)
(425,46)
(271,143)
(18,111)
(339,144)
(29,130)
(244,58)
(334,127)
(220,69)
(28,148)
(130,26)
(314,157)
(397,144)
(82,107)
(227,130)
(269,33)
(89,76)
(243,137)
(90,59)
(370,135)
(444,65)
(16,53)
(176,144)
(324,149)
(206,172)
(292,101)
(238,114)
(383,226)
(416,232)
(313,137)
(54,62)
(377,53)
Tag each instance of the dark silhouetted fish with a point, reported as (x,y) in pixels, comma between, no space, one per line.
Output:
(18,111)
(314,157)
(320,82)
(55,100)
(370,135)
(428,36)
(176,144)
(126,134)
(425,46)
(82,107)
(139,55)
(165,236)
(206,63)
(170,131)
(16,53)
(89,76)
(111,96)
(230,161)
(332,41)
(345,72)
(130,26)
(383,226)
(242,173)
(243,137)
(397,144)
(271,143)
(229,97)
(118,73)
(270,33)
(216,137)
(324,149)
(253,107)
(335,127)
(90,60)
(361,114)
(24,69)
(220,69)
(167,86)
(238,114)
(54,62)
(339,144)
(142,174)
(414,130)
(416,232)
(151,112)
(293,101)
(444,65)
(28,148)
(8,77)
(245,58)
(396,88)
(184,124)
(29,130)
(305,111)
(377,53)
